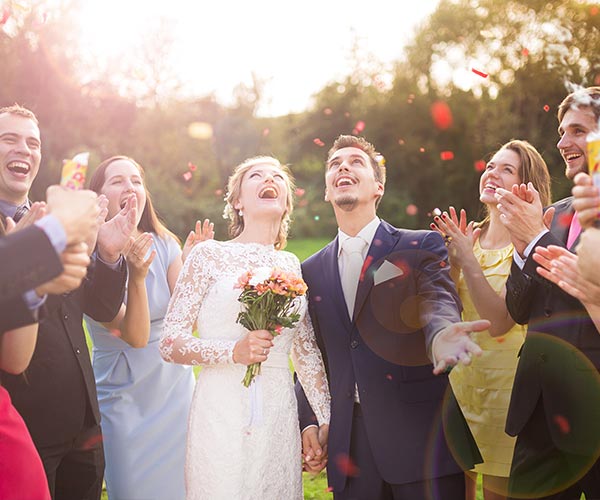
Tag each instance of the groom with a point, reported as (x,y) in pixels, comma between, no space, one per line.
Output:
(379,327)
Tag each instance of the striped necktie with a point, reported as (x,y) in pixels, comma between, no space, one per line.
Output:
(20,212)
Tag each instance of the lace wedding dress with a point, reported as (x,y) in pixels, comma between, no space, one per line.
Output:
(243,443)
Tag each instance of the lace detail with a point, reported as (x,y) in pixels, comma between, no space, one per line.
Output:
(227,458)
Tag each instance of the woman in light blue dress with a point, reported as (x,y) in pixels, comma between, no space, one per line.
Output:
(144,401)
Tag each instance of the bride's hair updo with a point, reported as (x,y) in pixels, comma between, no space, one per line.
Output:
(236,221)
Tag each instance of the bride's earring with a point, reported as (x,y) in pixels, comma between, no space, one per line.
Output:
(240,213)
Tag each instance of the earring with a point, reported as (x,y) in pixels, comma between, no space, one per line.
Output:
(240,213)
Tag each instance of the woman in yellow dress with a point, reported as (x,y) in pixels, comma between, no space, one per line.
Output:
(481,255)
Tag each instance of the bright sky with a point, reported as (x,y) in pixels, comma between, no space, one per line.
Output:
(294,47)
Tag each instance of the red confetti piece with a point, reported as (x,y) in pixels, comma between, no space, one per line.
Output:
(525,52)
(347,114)
(564,220)
(546,108)
(443,264)
(266,132)
(92,442)
(187,176)
(446,155)
(500,340)
(594,10)
(192,167)
(421,150)
(5,16)
(329,489)
(412,209)
(365,266)
(115,332)
(479,73)
(327,111)
(360,126)
(401,142)
(479,166)
(218,192)
(299,192)
(346,466)
(441,115)
(318,142)
(389,377)
(562,423)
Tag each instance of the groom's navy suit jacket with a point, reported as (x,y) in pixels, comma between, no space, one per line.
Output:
(405,296)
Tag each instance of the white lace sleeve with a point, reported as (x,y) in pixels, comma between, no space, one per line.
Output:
(309,366)
(177,342)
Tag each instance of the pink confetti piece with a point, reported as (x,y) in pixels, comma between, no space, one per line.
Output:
(115,332)
(401,142)
(441,115)
(360,126)
(412,209)
(187,176)
(564,220)
(299,192)
(479,73)
(525,52)
(192,167)
(446,155)
(329,489)
(479,166)
(318,142)
(327,111)
(562,423)
(389,376)
(218,192)
(546,108)
(594,10)
(346,466)
(5,16)
(421,150)
(266,132)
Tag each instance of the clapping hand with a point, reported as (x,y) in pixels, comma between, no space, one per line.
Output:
(453,344)
(459,235)
(114,234)
(586,200)
(203,231)
(135,255)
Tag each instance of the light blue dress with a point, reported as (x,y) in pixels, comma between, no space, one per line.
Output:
(144,401)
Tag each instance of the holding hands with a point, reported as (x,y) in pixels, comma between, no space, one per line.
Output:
(314,448)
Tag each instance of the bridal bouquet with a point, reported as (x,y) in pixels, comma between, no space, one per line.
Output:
(268,298)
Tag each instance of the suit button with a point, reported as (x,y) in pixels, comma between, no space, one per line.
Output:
(78,351)
(354,344)
(66,316)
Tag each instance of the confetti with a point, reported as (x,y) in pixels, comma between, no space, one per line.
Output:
(192,167)
(317,218)
(92,442)
(479,73)
(479,166)
(318,298)
(318,142)
(346,466)
(500,339)
(187,176)
(443,263)
(360,126)
(265,132)
(562,423)
(564,220)
(299,192)
(441,115)
(594,10)
(329,489)
(389,376)
(525,52)
(327,111)
(446,155)
(365,266)
(421,150)
(218,192)
(546,108)
(5,16)
(401,142)
(115,332)
(412,209)
(437,211)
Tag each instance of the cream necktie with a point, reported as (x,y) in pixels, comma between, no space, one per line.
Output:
(352,249)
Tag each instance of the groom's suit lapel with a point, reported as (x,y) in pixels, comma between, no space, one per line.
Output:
(331,275)
(381,245)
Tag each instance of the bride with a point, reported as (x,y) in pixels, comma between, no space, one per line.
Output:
(244,443)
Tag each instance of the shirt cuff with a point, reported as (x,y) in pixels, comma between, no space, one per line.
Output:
(33,300)
(308,427)
(520,261)
(54,231)
(111,265)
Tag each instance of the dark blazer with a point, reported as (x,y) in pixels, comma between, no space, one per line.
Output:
(560,359)
(405,296)
(58,389)
(27,259)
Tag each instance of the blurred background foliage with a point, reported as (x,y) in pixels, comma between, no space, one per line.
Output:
(431,128)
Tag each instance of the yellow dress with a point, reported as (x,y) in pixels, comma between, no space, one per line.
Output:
(483,388)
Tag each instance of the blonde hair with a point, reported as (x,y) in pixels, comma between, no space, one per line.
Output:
(234,189)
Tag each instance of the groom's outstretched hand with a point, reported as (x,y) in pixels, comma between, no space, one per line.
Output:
(453,344)
(314,448)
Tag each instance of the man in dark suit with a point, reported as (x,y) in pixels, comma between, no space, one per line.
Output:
(378,327)
(57,396)
(555,403)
